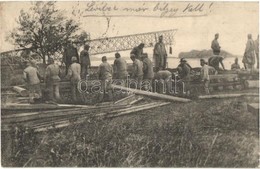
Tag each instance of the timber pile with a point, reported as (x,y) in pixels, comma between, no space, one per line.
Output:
(45,116)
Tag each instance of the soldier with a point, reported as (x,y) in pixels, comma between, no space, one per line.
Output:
(214,61)
(235,66)
(85,61)
(69,51)
(204,73)
(184,73)
(160,54)
(215,45)
(105,72)
(249,55)
(138,51)
(32,78)
(52,80)
(74,76)
(257,51)
(120,67)
(164,77)
(137,72)
(147,67)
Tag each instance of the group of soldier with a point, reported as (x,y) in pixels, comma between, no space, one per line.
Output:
(143,69)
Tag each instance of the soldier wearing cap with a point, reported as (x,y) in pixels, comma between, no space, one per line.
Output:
(160,54)
(120,67)
(138,51)
(215,45)
(147,67)
(52,79)
(74,76)
(184,71)
(85,61)
(137,72)
(105,72)
(204,74)
(32,78)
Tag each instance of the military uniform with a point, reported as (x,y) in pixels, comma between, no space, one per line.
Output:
(32,77)
(160,55)
(74,76)
(52,81)
(164,77)
(85,63)
(105,72)
(120,68)
(148,69)
(137,72)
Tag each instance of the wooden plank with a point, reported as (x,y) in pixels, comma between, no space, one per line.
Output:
(251,84)
(220,96)
(151,94)
(139,109)
(223,76)
(136,101)
(21,91)
(65,112)
(42,106)
(253,108)
(126,100)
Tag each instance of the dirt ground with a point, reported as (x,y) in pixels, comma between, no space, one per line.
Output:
(202,133)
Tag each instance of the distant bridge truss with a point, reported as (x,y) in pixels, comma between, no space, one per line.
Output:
(106,45)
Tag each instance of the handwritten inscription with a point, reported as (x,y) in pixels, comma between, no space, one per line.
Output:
(149,9)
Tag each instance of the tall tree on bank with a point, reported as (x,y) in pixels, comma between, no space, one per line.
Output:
(43,30)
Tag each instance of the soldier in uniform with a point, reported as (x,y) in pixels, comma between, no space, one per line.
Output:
(32,78)
(138,51)
(215,45)
(160,55)
(137,72)
(52,79)
(69,51)
(105,72)
(85,61)
(74,76)
(120,67)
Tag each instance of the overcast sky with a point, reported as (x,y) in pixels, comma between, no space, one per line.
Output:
(232,20)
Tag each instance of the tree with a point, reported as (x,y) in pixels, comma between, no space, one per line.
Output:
(43,30)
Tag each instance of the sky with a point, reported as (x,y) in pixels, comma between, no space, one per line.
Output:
(232,20)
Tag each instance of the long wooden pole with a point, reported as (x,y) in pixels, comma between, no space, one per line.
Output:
(46,114)
(151,94)
(220,96)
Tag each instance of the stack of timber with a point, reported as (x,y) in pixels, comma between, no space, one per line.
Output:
(42,117)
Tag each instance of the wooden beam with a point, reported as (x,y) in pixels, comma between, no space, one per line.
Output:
(65,112)
(133,110)
(251,84)
(21,91)
(220,96)
(126,100)
(136,101)
(253,108)
(223,76)
(151,94)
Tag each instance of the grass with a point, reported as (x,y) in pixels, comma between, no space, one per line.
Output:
(212,133)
